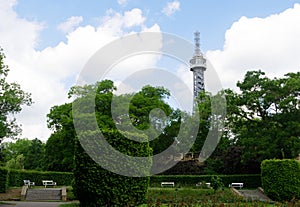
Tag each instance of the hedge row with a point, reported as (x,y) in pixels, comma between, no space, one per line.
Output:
(281,179)
(4,180)
(249,180)
(16,177)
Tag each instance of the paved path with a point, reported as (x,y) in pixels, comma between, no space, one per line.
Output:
(31,204)
(254,195)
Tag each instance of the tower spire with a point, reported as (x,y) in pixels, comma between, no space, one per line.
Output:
(197,43)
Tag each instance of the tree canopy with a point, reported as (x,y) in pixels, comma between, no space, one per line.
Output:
(264,117)
(262,121)
(24,154)
(12,98)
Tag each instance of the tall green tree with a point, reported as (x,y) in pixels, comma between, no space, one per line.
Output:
(97,186)
(264,117)
(24,153)
(12,98)
(59,149)
(34,158)
(16,163)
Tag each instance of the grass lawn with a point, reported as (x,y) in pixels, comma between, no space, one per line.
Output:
(5,203)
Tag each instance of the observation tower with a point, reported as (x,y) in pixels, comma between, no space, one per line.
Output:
(198,66)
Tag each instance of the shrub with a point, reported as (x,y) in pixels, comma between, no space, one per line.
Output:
(281,179)
(4,177)
(97,186)
(216,182)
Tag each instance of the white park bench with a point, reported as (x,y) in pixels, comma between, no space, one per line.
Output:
(27,182)
(167,184)
(236,185)
(48,182)
(201,185)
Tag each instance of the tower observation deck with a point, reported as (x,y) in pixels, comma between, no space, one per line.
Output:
(198,66)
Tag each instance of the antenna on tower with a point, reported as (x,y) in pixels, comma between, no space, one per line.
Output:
(197,43)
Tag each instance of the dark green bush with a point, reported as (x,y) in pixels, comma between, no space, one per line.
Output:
(250,181)
(216,182)
(4,177)
(16,177)
(97,186)
(281,179)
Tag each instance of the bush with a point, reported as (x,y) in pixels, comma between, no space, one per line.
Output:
(4,178)
(250,181)
(281,179)
(16,177)
(97,186)
(216,182)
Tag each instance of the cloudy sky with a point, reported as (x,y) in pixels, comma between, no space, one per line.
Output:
(47,43)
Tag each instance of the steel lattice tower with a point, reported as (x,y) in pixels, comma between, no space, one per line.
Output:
(198,66)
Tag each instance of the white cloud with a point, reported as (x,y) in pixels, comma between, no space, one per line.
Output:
(271,44)
(122,2)
(70,24)
(16,33)
(171,8)
(116,22)
(133,18)
(49,73)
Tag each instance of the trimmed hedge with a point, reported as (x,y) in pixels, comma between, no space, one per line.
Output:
(96,186)
(16,177)
(249,180)
(281,179)
(4,179)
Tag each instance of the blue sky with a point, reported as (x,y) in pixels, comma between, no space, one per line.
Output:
(211,18)
(47,43)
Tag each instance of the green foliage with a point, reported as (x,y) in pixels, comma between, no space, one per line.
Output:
(4,179)
(16,177)
(204,105)
(70,194)
(143,102)
(59,152)
(212,111)
(249,180)
(264,119)
(11,100)
(193,197)
(35,155)
(281,179)
(171,130)
(97,186)
(24,154)
(17,163)
(59,149)
(216,182)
